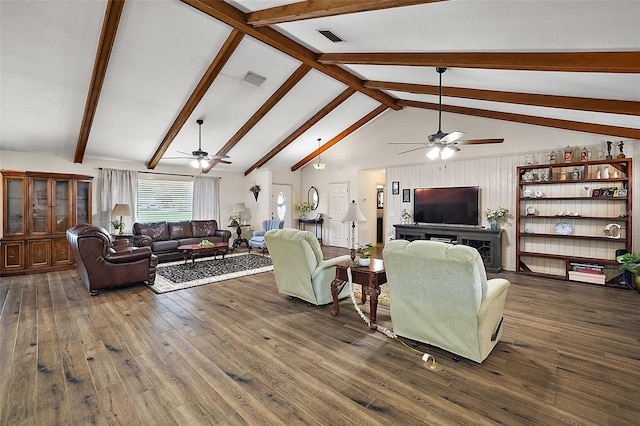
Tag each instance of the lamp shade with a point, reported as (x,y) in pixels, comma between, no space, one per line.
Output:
(121,210)
(240,208)
(354,214)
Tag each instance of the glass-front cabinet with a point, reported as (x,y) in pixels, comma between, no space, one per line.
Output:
(50,206)
(83,201)
(38,208)
(14,206)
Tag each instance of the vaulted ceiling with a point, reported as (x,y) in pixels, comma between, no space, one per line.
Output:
(127,80)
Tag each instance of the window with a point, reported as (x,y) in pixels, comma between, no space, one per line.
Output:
(161,199)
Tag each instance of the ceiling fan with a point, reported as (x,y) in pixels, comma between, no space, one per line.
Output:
(200,158)
(442,144)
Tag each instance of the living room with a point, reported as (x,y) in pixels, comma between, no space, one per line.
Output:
(240,352)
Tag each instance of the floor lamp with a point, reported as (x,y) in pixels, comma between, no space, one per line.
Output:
(353,215)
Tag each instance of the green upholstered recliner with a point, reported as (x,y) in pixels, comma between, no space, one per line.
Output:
(440,295)
(299,268)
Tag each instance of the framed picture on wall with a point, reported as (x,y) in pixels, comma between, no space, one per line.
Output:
(395,188)
(406,196)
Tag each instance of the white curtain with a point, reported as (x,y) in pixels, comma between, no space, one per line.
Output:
(118,187)
(206,198)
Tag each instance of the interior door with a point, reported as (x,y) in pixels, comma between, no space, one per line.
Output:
(281,204)
(338,232)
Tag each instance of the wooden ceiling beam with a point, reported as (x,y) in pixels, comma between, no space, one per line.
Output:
(293,79)
(609,106)
(108,33)
(576,126)
(346,132)
(302,129)
(322,9)
(605,62)
(238,19)
(229,46)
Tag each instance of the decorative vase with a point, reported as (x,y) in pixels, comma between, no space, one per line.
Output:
(364,261)
(494,224)
(303,215)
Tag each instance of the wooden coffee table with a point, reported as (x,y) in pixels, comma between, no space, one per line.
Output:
(369,277)
(191,250)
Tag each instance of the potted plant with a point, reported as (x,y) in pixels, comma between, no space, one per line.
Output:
(405,215)
(498,215)
(304,208)
(364,253)
(118,225)
(255,189)
(630,263)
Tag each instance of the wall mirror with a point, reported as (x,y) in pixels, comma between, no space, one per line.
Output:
(312,198)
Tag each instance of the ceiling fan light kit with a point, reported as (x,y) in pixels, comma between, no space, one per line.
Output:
(201,159)
(443,145)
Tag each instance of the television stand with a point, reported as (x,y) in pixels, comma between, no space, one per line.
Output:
(488,242)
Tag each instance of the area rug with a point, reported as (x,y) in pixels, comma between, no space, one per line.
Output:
(174,276)
(383,298)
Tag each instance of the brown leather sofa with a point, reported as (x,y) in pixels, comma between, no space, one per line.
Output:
(164,238)
(102,263)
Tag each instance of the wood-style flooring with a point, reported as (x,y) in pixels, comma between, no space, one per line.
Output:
(238,352)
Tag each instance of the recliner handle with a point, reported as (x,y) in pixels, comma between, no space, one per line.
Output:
(494,336)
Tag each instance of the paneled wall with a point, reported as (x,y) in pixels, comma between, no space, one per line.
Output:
(497,180)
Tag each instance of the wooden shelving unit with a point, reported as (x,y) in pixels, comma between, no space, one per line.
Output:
(563,192)
(38,208)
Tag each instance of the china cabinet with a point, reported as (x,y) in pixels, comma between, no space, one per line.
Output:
(38,208)
(576,213)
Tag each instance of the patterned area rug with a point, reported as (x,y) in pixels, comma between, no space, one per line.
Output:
(173,276)
(383,298)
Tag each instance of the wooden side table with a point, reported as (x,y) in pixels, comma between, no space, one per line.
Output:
(369,277)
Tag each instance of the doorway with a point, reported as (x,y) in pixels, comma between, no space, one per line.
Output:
(281,204)
(379,213)
(338,232)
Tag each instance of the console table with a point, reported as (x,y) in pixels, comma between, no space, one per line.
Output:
(302,225)
(488,242)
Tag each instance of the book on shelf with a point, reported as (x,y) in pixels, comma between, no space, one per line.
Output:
(587,277)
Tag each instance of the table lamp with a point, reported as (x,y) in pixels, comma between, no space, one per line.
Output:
(240,208)
(121,210)
(353,215)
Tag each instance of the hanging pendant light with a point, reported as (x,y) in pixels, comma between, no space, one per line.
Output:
(319,165)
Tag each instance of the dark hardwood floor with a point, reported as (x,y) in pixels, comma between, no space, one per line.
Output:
(238,352)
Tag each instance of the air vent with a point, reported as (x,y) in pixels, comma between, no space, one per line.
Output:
(253,78)
(330,35)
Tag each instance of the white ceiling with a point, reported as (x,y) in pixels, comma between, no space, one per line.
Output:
(163,48)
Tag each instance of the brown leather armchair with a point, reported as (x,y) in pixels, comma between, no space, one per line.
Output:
(102,264)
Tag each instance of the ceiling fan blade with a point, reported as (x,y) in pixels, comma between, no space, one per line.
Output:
(482,141)
(216,160)
(219,157)
(411,150)
(176,158)
(185,153)
(451,137)
(407,143)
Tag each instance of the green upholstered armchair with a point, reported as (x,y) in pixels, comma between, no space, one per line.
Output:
(299,268)
(440,295)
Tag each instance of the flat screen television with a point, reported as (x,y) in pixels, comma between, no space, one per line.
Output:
(453,206)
